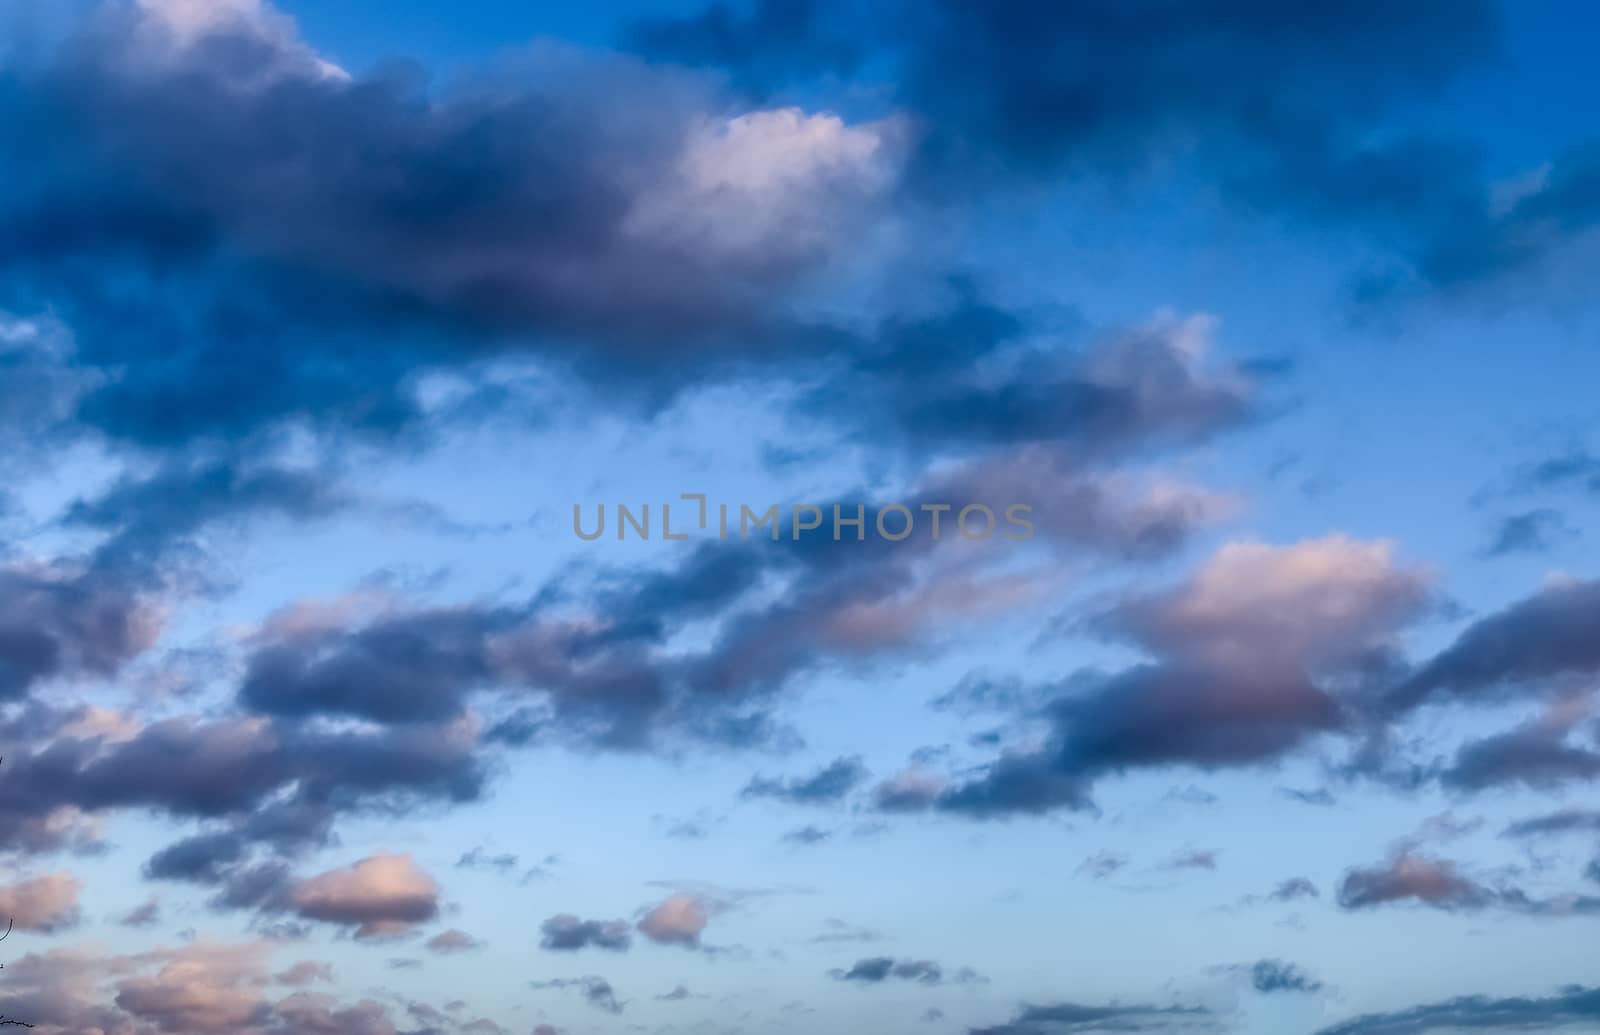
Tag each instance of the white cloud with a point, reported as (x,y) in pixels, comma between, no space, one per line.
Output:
(777,181)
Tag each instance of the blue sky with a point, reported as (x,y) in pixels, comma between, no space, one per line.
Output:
(318,322)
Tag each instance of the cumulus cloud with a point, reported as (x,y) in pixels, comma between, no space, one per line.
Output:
(769,186)
(678,919)
(1250,654)
(203,988)
(45,903)
(534,220)
(380,895)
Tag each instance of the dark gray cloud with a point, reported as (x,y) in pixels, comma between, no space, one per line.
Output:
(1526,648)
(1538,754)
(567,933)
(1247,651)
(480,858)
(70,620)
(147,517)
(1036,92)
(1271,976)
(1576,1008)
(828,786)
(1027,90)
(409,228)
(1293,889)
(256,786)
(1561,822)
(878,969)
(1574,469)
(1554,207)
(966,376)
(1065,1018)
(772,44)
(1533,531)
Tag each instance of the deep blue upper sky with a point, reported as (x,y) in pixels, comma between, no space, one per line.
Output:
(1273,324)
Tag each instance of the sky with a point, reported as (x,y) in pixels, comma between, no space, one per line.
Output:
(799,516)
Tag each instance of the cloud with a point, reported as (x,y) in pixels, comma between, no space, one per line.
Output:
(807,835)
(70,620)
(1103,864)
(1433,882)
(1575,1007)
(1532,646)
(1537,754)
(677,920)
(1192,859)
(967,377)
(255,783)
(596,991)
(1246,652)
(879,969)
(1440,884)
(826,787)
(453,940)
(1533,531)
(1002,96)
(145,915)
(380,895)
(516,216)
(775,43)
(1064,1018)
(1294,888)
(47,903)
(567,933)
(148,519)
(199,994)
(1272,976)
(1560,822)
(305,972)
(203,988)
(995,100)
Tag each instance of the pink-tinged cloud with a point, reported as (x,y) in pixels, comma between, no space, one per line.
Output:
(48,903)
(381,895)
(202,988)
(1433,882)
(1312,604)
(677,920)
